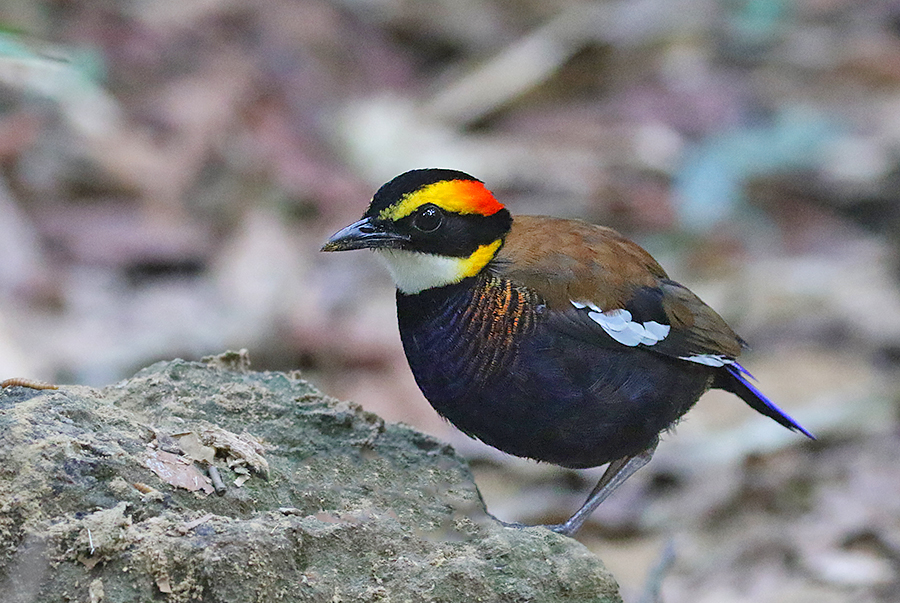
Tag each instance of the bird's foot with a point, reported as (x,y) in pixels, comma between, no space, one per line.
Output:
(511,524)
(562,528)
(559,528)
(616,473)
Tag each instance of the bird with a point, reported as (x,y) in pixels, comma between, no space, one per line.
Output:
(547,338)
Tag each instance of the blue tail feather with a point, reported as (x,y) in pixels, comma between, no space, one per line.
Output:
(741,386)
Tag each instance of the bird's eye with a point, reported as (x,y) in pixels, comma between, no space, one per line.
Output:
(428,218)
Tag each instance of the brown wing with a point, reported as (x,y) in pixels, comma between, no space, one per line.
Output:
(568,261)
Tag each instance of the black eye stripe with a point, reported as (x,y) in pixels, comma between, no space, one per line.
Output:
(458,235)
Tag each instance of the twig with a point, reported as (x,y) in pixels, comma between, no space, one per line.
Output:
(657,574)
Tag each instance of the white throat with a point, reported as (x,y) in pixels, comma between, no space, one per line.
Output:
(414,272)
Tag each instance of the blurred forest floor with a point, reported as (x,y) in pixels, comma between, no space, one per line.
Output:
(168,171)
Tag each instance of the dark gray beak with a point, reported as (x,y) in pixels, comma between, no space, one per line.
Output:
(365,234)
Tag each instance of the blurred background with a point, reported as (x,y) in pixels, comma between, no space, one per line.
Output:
(169,169)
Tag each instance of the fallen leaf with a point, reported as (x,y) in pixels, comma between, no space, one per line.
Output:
(163,584)
(194,449)
(178,471)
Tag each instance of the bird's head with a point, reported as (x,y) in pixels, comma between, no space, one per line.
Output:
(432,227)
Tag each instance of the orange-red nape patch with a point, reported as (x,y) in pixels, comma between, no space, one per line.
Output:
(457,196)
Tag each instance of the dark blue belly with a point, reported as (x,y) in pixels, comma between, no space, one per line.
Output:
(486,358)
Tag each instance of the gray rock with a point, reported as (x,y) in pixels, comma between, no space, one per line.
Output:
(105,497)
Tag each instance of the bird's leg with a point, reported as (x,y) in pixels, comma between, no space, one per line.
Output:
(615,475)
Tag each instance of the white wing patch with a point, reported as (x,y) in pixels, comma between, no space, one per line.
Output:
(709,359)
(619,325)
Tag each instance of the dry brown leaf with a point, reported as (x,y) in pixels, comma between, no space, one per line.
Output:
(163,584)
(194,449)
(178,471)
(89,562)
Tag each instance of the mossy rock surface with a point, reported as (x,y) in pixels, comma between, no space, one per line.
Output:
(104,497)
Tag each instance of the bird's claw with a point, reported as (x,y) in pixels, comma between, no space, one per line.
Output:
(559,528)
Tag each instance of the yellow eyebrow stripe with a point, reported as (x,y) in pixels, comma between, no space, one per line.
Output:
(457,196)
